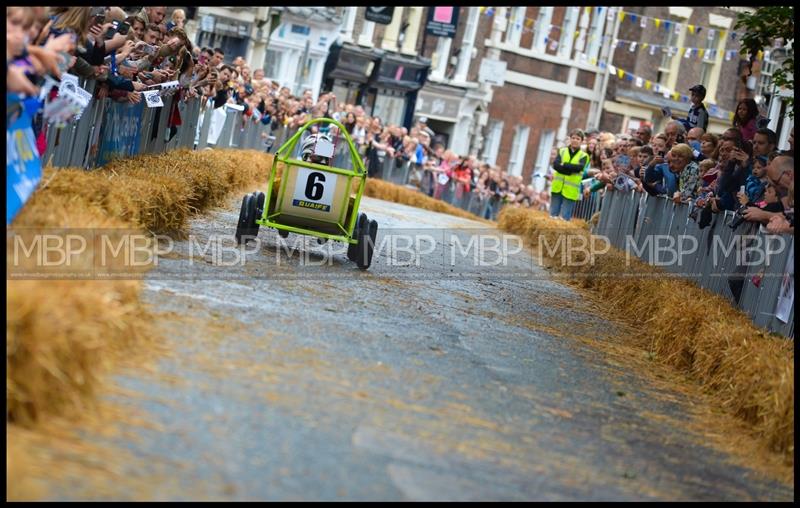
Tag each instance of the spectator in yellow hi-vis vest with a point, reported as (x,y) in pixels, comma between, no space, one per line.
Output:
(569,166)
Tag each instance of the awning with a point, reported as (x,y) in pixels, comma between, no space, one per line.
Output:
(403,73)
(351,63)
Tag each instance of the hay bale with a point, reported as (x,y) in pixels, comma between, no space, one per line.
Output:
(60,333)
(387,191)
(747,372)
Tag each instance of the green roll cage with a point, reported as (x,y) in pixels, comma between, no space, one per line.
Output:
(282,156)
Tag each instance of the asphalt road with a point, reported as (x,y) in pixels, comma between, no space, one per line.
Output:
(434,382)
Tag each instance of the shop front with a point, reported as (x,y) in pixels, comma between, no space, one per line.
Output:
(385,84)
(440,105)
(348,70)
(394,91)
(230,35)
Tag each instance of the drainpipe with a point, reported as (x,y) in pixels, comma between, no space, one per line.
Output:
(609,52)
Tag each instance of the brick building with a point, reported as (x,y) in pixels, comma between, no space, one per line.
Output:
(553,82)
(708,31)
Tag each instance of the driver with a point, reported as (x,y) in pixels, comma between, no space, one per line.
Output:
(310,142)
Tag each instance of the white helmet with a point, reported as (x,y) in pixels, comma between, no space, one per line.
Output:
(311,141)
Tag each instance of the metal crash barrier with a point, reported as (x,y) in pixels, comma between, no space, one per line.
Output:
(750,267)
(109,130)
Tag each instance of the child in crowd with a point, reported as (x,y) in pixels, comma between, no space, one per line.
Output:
(643,159)
(756,182)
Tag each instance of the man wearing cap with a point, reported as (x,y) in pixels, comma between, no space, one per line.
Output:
(422,124)
(697,116)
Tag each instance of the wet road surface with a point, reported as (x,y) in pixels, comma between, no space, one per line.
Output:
(433,382)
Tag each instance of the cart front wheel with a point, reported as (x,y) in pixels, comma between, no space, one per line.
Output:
(361,223)
(366,244)
(244,219)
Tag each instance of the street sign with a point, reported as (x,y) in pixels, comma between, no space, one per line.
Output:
(442,21)
(382,15)
(492,72)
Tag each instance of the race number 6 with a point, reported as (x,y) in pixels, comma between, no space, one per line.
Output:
(314,186)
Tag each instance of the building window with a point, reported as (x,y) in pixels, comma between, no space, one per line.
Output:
(542,30)
(768,66)
(307,73)
(666,59)
(546,140)
(272,64)
(518,148)
(493,142)
(709,59)
(515,25)
(390,106)
(596,33)
(568,31)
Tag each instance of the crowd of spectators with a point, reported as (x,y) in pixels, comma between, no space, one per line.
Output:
(125,53)
(740,171)
(130,52)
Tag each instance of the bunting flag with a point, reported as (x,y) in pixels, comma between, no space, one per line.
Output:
(633,46)
(657,22)
(643,22)
(640,82)
(691,29)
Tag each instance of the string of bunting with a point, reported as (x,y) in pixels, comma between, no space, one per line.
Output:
(686,52)
(642,20)
(641,82)
(667,24)
(526,26)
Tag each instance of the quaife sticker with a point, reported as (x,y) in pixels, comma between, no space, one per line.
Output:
(309,204)
(314,189)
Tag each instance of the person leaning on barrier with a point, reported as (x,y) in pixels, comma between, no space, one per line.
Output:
(780,173)
(569,167)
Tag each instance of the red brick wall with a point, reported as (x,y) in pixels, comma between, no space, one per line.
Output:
(541,111)
(641,63)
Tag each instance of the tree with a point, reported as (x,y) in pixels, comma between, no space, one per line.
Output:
(769,28)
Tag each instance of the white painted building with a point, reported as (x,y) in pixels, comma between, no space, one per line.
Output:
(299,46)
(238,31)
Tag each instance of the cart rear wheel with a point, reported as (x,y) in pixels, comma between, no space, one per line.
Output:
(250,231)
(244,219)
(361,222)
(257,208)
(366,244)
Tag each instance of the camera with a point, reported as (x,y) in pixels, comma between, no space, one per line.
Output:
(116,26)
(738,217)
(111,31)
